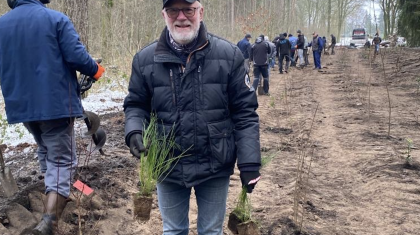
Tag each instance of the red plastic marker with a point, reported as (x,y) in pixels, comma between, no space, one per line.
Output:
(83,188)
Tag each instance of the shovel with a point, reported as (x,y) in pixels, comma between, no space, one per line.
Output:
(7,184)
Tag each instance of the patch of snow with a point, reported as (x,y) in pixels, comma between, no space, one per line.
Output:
(104,102)
(27,150)
(344,41)
(16,134)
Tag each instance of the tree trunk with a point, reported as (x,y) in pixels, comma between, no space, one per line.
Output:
(232,12)
(106,35)
(77,11)
(329,18)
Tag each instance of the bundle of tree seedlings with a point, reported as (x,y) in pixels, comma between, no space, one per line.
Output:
(240,220)
(155,164)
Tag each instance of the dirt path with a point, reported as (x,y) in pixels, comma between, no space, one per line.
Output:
(319,126)
(359,182)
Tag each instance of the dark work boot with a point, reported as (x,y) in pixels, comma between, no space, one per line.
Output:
(54,207)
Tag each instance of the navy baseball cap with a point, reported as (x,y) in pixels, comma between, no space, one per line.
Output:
(189,1)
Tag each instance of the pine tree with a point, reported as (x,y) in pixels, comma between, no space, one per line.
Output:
(408,25)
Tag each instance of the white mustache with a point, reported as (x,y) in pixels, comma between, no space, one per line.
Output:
(183,24)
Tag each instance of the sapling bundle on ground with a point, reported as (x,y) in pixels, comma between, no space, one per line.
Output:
(155,164)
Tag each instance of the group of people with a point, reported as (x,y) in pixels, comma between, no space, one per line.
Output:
(263,56)
(190,79)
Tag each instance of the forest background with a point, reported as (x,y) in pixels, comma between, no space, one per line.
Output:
(115,30)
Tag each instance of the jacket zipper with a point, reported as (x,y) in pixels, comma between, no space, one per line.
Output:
(200,84)
(181,70)
(189,56)
(171,74)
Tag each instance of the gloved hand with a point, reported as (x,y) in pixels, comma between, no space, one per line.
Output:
(136,145)
(99,73)
(249,179)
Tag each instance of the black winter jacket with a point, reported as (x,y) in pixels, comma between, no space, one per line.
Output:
(301,42)
(333,40)
(260,52)
(210,102)
(283,46)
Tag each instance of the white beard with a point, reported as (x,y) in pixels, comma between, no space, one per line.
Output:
(183,38)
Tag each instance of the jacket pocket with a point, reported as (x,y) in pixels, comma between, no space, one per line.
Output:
(222,144)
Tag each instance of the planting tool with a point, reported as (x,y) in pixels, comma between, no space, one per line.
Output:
(7,182)
(92,122)
(91,119)
(98,134)
(99,139)
(86,82)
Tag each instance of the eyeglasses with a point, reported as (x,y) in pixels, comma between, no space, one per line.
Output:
(173,13)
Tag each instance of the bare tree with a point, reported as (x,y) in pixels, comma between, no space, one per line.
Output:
(390,9)
(116,30)
(344,9)
(78,12)
(329,18)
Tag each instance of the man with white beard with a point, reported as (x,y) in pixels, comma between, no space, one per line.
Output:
(196,83)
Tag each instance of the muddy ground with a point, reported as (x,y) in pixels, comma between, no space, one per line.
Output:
(342,162)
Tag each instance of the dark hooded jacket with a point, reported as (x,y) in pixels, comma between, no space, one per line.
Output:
(40,52)
(333,40)
(301,42)
(210,102)
(376,40)
(260,52)
(283,46)
(245,47)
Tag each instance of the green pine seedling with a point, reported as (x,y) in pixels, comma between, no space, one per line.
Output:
(243,207)
(159,159)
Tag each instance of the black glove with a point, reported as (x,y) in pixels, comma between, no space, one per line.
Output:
(136,145)
(249,179)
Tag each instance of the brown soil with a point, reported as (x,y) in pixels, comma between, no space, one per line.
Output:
(339,163)
(142,207)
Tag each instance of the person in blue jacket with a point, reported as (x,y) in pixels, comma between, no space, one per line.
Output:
(40,52)
(317,45)
(293,41)
(245,47)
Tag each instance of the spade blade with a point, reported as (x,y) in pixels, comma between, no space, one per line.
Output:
(92,122)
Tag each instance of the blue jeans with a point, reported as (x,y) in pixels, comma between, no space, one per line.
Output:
(317,59)
(174,204)
(272,62)
(292,58)
(56,152)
